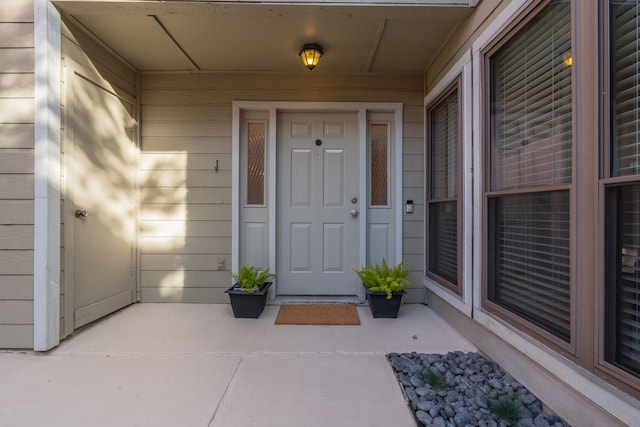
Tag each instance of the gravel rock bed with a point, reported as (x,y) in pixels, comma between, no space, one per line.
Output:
(473,387)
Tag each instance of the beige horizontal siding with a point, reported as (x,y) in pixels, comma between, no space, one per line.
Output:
(181,129)
(16,262)
(18,60)
(16,85)
(16,161)
(16,11)
(208,144)
(413,184)
(16,186)
(185,245)
(220,179)
(16,287)
(16,336)
(186,112)
(16,212)
(185,228)
(185,215)
(16,173)
(16,312)
(16,110)
(16,135)
(194,279)
(185,195)
(412,229)
(16,34)
(194,212)
(16,237)
(184,161)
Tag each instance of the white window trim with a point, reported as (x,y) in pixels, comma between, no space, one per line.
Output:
(461,68)
(274,108)
(46,244)
(510,12)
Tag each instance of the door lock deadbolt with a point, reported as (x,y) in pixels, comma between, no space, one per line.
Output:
(81,214)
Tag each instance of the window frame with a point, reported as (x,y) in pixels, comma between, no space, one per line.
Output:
(454,86)
(567,348)
(613,374)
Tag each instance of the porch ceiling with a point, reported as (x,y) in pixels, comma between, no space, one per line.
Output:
(155,36)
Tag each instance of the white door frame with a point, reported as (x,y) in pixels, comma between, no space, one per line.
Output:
(47,146)
(273,108)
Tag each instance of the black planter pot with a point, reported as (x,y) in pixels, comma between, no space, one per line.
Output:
(248,305)
(381,307)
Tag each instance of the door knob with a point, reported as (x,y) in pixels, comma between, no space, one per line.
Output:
(354,212)
(81,214)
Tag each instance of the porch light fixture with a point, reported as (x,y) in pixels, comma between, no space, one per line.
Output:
(310,55)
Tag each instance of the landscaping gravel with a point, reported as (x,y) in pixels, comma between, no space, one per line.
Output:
(472,388)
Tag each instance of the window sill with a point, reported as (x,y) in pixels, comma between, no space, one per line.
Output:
(449,296)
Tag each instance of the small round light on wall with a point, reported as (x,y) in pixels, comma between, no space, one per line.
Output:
(310,55)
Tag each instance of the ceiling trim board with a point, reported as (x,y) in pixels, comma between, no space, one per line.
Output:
(175,42)
(376,44)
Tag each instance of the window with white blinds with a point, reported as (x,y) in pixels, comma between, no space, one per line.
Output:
(442,193)
(622,225)
(530,267)
(530,148)
(531,104)
(625,88)
(622,300)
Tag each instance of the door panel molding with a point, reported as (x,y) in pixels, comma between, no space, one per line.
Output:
(316,189)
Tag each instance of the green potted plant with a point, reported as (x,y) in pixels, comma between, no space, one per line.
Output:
(384,286)
(248,295)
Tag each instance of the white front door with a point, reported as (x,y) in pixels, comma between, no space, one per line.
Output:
(317,203)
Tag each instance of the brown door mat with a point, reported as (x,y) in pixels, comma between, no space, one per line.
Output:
(317,314)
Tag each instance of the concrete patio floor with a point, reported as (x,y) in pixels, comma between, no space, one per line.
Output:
(195,365)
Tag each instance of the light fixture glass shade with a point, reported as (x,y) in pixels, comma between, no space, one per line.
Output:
(310,55)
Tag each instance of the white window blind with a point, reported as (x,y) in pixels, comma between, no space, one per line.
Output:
(625,51)
(531,148)
(531,104)
(443,192)
(622,287)
(444,148)
(531,258)
(623,278)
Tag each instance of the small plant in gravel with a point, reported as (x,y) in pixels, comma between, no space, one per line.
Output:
(434,378)
(506,408)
